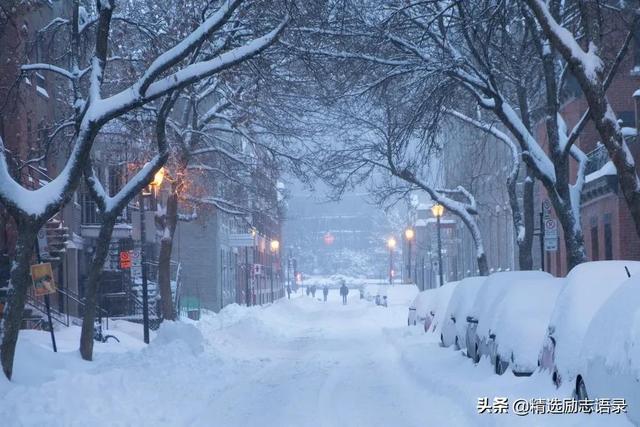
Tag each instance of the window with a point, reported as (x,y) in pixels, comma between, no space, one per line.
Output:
(595,249)
(608,242)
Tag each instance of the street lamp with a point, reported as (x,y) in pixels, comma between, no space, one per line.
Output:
(153,185)
(409,234)
(391,244)
(274,246)
(438,210)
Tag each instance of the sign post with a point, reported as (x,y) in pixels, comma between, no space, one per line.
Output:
(42,278)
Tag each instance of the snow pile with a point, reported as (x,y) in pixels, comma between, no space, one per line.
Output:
(459,307)
(588,286)
(521,320)
(183,334)
(400,294)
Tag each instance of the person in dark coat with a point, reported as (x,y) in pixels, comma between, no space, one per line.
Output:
(344,291)
(325,292)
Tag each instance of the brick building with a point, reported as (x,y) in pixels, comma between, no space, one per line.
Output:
(609,232)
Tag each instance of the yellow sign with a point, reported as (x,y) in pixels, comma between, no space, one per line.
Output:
(42,277)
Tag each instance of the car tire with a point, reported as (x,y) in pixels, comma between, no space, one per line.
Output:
(581,389)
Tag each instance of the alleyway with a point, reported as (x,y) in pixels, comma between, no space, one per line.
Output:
(295,363)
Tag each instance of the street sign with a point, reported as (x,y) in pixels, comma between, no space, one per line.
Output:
(42,243)
(125,260)
(42,277)
(550,228)
(550,243)
(546,208)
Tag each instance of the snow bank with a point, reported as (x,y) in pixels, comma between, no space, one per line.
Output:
(522,318)
(459,307)
(184,334)
(588,286)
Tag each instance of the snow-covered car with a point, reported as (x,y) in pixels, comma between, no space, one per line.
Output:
(421,307)
(587,288)
(440,305)
(480,316)
(610,353)
(517,330)
(454,324)
(427,304)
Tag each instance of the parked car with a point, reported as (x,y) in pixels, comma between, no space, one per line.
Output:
(610,352)
(517,330)
(421,306)
(588,286)
(454,324)
(491,292)
(428,304)
(440,305)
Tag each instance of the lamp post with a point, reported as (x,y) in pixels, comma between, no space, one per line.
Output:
(274,246)
(391,244)
(153,185)
(409,235)
(438,210)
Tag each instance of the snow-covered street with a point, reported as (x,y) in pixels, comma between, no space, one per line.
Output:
(294,363)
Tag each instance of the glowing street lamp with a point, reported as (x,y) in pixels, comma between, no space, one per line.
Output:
(154,185)
(409,234)
(274,245)
(438,210)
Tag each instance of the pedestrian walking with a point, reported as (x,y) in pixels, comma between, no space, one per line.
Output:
(325,292)
(313,291)
(308,291)
(344,291)
(289,292)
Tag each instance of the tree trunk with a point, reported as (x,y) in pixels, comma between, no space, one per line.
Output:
(18,285)
(483,265)
(93,285)
(164,259)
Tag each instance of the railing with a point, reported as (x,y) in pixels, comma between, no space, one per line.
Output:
(34,303)
(596,159)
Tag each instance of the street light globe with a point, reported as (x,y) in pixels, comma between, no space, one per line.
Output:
(391,243)
(409,233)
(437,210)
(158,178)
(275,245)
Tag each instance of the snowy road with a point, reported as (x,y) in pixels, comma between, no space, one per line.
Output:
(295,363)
